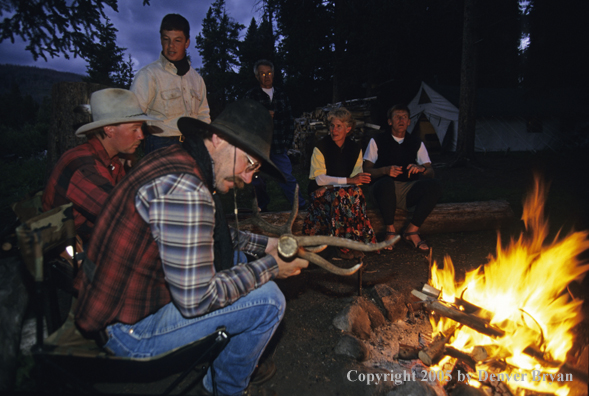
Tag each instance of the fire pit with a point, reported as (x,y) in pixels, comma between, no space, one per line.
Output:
(506,328)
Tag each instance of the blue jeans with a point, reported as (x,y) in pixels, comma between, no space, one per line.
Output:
(250,322)
(283,163)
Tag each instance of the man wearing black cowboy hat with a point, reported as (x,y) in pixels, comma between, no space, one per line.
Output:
(86,174)
(168,269)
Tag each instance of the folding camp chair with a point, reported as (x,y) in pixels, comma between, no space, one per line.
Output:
(74,362)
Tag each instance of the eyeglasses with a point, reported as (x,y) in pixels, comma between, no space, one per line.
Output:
(253,165)
(269,74)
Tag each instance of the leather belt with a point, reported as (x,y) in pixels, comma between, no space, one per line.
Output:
(179,138)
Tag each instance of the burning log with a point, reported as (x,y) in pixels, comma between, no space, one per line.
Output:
(474,322)
(482,353)
(448,217)
(435,350)
(461,356)
(407,352)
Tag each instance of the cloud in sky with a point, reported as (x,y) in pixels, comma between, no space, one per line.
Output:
(138,31)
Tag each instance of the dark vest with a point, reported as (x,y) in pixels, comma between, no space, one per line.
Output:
(339,161)
(392,153)
(127,255)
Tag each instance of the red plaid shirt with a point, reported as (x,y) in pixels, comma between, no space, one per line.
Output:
(129,282)
(84,176)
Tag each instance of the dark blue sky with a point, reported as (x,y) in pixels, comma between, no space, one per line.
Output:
(138,31)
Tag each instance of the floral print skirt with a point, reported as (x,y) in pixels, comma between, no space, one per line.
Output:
(341,212)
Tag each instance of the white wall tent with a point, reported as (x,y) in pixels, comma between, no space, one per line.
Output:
(442,114)
(505,120)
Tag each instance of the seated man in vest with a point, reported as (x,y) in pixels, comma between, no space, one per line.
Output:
(86,174)
(402,176)
(168,270)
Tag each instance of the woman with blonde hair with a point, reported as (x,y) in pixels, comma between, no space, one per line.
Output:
(338,206)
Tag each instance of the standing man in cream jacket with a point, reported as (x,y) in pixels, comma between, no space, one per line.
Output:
(170,88)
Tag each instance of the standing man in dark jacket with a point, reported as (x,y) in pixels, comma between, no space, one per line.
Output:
(277,103)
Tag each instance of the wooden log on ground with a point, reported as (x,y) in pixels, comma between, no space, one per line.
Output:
(446,217)
(470,320)
(461,356)
(432,353)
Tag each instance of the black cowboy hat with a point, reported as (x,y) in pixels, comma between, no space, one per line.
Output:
(245,124)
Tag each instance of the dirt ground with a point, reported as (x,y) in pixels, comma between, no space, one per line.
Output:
(303,347)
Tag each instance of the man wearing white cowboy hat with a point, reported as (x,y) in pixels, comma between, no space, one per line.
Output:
(168,268)
(86,174)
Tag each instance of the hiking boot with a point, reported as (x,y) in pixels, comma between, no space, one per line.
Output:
(263,372)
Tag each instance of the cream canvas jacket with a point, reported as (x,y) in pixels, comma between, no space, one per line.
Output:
(165,95)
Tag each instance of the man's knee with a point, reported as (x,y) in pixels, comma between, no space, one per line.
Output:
(435,188)
(384,187)
(274,296)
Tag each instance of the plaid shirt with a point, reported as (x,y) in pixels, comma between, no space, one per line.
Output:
(181,214)
(283,124)
(84,176)
(158,229)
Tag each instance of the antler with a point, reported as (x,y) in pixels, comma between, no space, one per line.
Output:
(289,245)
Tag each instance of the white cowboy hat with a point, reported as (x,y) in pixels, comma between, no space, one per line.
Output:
(113,106)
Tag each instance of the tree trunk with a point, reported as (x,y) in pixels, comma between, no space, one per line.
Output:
(338,54)
(448,217)
(65,96)
(467,116)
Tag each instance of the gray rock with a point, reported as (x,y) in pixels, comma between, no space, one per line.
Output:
(377,319)
(351,346)
(413,388)
(354,319)
(395,307)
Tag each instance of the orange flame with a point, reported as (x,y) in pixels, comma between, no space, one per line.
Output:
(524,289)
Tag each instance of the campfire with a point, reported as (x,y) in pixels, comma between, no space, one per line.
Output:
(510,320)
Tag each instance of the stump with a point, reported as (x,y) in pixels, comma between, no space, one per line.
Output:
(65,97)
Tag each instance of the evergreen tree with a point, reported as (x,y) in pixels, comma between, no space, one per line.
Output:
(257,44)
(54,27)
(306,51)
(218,46)
(105,60)
(249,52)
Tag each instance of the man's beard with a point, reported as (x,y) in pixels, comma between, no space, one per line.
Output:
(237,181)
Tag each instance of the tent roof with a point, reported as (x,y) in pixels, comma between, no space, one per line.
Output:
(513,102)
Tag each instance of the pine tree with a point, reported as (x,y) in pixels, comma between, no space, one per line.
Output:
(218,46)
(105,60)
(54,27)
(257,44)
